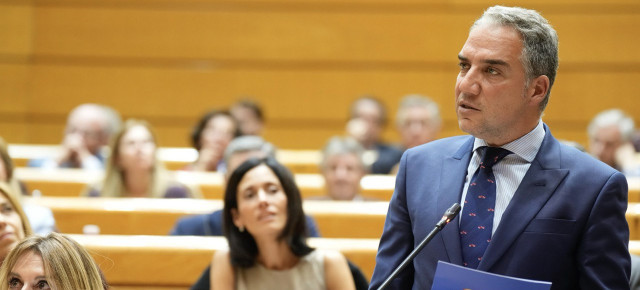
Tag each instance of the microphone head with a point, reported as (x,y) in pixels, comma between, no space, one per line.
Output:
(453,211)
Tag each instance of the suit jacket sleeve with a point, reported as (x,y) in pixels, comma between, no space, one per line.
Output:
(397,239)
(603,251)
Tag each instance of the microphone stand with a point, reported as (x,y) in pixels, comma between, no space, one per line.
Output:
(448,216)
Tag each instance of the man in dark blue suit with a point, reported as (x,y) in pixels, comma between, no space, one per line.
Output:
(558,215)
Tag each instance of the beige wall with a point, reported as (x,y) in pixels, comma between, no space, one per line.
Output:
(168,61)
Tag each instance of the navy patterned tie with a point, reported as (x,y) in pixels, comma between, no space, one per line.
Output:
(477,215)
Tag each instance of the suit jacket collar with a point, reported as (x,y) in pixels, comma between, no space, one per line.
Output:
(454,170)
(537,186)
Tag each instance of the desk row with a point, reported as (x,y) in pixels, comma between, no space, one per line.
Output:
(127,216)
(145,262)
(71,182)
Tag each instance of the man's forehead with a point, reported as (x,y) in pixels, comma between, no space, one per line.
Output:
(493,44)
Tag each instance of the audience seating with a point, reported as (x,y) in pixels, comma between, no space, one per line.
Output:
(130,216)
(171,262)
(175,158)
(71,182)
(140,216)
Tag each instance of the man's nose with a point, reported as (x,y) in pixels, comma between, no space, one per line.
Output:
(469,83)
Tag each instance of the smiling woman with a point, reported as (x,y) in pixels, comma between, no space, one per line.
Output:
(265,226)
(51,262)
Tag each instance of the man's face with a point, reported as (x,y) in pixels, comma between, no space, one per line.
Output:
(370,117)
(249,123)
(492,102)
(342,175)
(604,144)
(238,158)
(217,134)
(88,125)
(417,127)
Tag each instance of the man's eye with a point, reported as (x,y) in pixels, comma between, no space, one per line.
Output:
(492,71)
(463,66)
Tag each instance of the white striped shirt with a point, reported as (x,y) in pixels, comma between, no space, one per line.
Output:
(510,171)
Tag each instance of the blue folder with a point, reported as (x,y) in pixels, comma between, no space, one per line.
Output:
(453,277)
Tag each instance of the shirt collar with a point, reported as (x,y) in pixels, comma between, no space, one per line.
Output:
(526,146)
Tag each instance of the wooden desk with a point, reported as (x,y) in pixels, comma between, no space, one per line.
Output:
(633,218)
(634,189)
(157,216)
(174,158)
(141,216)
(71,182)
(135,262)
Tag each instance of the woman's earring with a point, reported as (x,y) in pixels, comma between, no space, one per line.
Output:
(241,228)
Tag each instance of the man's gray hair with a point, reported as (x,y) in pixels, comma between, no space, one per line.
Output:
(416,100)
(249,143)
(612,117)
(539,39)
(109,117)
(342,145)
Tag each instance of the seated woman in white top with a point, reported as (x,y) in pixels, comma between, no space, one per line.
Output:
(265,226)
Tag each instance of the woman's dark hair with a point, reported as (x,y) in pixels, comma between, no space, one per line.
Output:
(242,246)
(196,134)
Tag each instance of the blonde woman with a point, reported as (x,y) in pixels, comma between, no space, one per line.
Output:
(14,226)
(52,262)
(133,169)
(40,218)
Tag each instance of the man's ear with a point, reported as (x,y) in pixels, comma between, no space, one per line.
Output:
(538,88)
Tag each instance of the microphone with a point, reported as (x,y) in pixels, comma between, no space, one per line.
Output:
(450,214)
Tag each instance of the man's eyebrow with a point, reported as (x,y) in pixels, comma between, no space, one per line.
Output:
(497,62)
(488,61)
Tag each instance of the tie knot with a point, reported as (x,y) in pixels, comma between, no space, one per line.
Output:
(493,155)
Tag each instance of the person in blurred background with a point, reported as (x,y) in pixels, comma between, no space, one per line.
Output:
(210,137)
(250,117)
(342,169)
(51,262)
(418,121)
(133,170)
(40,218)
(610,141)
(89,128)
(368,117)
(14,225)
(265,226)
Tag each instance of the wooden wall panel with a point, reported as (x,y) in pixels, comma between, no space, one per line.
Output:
(304,35)
(247,35)
(168,61)
(15,30)
(304,108)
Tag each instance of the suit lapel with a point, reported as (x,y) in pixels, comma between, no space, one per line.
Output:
(454,170)
(537,186)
